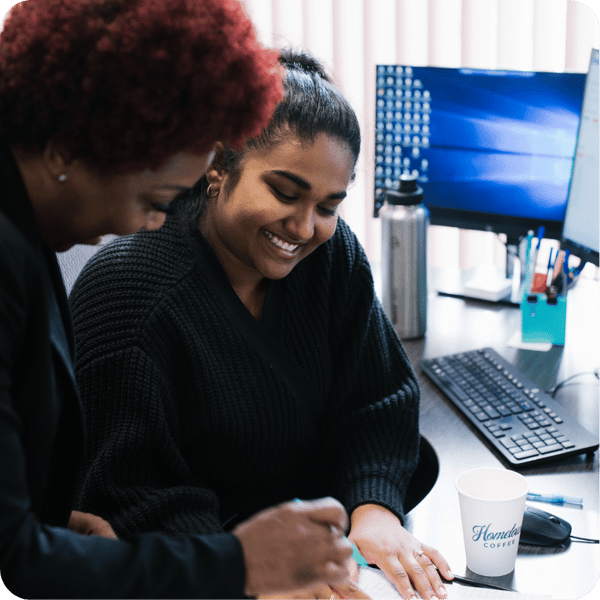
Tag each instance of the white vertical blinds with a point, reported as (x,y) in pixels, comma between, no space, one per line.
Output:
(352,36)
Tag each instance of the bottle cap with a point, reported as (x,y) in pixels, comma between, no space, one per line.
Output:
(408,193)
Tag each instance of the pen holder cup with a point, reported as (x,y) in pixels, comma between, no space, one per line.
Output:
(543,319)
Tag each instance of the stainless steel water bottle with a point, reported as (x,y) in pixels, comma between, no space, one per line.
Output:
(404,222)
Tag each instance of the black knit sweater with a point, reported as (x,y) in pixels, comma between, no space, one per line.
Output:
(198,415)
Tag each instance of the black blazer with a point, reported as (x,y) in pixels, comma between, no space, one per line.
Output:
(41,444)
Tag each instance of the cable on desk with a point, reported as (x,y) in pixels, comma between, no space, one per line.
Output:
(576,538)
(552,391)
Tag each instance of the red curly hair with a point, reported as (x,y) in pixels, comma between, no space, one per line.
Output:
(125,84)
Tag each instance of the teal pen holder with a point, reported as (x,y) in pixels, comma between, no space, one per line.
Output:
(543,319)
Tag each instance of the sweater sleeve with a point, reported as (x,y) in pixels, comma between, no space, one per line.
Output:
(375,396)
(135,474)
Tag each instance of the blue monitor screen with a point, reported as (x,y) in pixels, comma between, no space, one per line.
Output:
(493,149)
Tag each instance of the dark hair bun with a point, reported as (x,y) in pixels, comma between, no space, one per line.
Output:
(301,60)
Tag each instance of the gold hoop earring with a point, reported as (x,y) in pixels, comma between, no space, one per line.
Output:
(208,192)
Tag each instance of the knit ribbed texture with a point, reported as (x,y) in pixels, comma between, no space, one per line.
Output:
(188,424)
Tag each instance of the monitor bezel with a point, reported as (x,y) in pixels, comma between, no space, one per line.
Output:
(583,252)
(515,228)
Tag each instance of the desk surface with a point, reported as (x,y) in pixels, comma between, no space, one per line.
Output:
(456,325)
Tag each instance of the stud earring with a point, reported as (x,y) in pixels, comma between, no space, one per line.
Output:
(208,192)
(62,177)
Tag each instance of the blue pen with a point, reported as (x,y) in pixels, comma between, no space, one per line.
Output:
(579,268)
(550,269)
(540,234)
(357,556)
(555,499)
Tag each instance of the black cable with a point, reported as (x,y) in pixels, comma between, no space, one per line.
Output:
(576,538)
(552,391)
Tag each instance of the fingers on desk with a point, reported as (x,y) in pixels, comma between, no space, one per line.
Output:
(416,574)
(439,561)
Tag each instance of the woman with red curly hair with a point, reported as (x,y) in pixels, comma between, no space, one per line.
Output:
(108,110)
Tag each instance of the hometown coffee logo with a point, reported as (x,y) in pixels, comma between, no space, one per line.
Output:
(495,539)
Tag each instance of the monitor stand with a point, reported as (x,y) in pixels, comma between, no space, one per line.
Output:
(489,283)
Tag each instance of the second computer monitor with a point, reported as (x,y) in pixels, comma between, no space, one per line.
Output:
(493,149)
(581,231)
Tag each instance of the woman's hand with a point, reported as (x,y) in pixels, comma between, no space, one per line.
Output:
(408,564)
(88,524)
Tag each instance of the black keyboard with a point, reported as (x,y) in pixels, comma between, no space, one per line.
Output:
(524,424)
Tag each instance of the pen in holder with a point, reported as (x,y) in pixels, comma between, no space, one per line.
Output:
(543,318)
(543,308)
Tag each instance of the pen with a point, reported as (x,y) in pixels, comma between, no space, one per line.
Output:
(529,240)
(558,268)
(528,250)
(550,269)
(555,499)
(357,556)
(528,269)
(540,235)
(565,273)
(579,268)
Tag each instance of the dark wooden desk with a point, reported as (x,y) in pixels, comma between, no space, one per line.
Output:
(456,325)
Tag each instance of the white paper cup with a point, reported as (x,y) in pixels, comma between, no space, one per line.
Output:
(492,503)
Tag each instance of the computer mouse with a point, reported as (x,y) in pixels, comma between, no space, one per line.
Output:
(541,528)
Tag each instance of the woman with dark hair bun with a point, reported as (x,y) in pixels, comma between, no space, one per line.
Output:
(108,110)
(239,356)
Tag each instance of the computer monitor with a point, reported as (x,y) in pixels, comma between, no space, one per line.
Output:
(493,149)
(582,221)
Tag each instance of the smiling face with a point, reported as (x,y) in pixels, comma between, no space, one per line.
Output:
(283,205)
